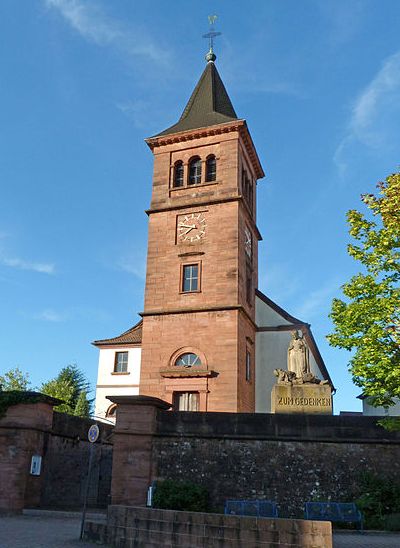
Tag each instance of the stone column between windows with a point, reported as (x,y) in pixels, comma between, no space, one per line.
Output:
(203,171)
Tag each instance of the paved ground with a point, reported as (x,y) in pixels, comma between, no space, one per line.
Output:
(366,540)
(56,532)
(40,532)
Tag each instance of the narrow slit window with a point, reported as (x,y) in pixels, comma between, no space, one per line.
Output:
(248,365)
(211,169)
(178,174)
(249,287)
(195,171)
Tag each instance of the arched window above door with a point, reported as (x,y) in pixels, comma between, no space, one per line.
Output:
(189,359)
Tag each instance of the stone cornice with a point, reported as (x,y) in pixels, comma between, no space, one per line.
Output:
(195,310)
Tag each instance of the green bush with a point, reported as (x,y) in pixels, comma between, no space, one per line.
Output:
(380,502)
(180,495)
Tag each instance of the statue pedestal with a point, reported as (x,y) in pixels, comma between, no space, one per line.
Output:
(314,399)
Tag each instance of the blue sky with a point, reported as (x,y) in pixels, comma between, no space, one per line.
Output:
(84,82)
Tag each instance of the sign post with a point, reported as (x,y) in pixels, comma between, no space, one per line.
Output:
(93,434)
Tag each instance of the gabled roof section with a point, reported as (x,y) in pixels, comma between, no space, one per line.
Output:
(132,336)
(279,310)
(208,105)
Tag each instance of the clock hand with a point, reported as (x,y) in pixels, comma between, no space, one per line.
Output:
(186,226)
(189,229)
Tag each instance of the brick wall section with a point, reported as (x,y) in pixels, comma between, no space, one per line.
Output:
(33,429)
(130,527)
(22,434)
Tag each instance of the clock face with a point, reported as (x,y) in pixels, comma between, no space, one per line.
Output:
(247,242)
(191,227)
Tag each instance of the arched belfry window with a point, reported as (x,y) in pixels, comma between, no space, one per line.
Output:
(194,171)
(211,169)
(189,359)
(178,174)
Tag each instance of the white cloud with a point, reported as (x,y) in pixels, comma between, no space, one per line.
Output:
(50,315)
(21,264)
(375,116)
(95,26)
(318,301)
(277,281)
(383,91)
(345,19)
(137,111)
(134,264)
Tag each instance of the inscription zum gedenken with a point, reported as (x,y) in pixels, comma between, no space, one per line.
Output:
(320,402)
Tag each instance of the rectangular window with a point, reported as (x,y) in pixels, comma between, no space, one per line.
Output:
(121,362)
(248,365)
(190,278)
(186,401)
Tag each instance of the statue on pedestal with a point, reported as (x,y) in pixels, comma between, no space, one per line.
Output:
(298,362)
(298,356)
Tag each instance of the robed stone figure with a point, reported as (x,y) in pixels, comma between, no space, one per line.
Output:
(298,356)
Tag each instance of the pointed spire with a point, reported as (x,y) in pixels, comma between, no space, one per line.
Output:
(209,103)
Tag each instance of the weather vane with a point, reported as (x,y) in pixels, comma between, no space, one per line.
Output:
(211,35)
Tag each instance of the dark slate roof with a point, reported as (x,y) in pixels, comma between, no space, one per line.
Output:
(132,336)
(208,105)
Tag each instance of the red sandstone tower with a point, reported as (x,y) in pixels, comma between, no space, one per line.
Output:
(198,345)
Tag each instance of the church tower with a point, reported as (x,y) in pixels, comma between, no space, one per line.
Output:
(198,341)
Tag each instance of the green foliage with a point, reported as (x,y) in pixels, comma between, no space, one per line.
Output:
(82,407)
(379,501)
(180,495)
(368,321)
(15,397)
(391,424)
(15,379)
(71,387)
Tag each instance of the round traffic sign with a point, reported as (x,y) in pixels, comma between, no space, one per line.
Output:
(93,433)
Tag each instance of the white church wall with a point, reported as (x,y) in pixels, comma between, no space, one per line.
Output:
(266,316)
(392,411)
(110,383)
(271,351)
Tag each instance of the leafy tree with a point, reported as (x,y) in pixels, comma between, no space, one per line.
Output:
(368,322)
(71,386)
(82,407)
(14,379)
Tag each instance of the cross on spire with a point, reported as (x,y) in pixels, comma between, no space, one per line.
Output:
(211,57)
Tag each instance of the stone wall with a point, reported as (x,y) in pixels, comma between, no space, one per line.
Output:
(289,459)
(130,527)
(61,441)
(66,464)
